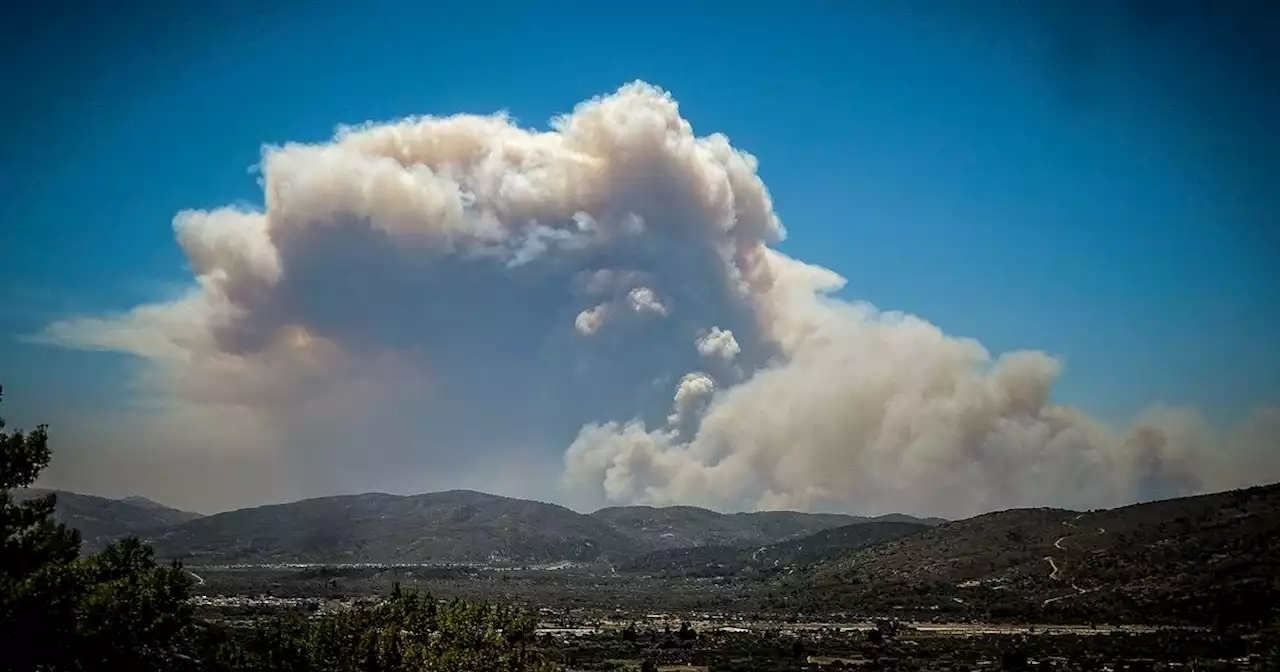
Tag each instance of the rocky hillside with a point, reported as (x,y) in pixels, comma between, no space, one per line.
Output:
(763,561)
(1188,560)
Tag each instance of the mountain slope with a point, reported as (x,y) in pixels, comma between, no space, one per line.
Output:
(688,526)
(1188,560)
(833,542)
(102,520)
(454,526)
(705,561)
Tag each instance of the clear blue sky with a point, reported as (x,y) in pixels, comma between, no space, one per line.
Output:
(1094,179)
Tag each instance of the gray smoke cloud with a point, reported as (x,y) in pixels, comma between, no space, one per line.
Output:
(596,314)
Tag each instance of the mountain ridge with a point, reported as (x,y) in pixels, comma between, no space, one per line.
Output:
(1182,560)
(461,526)
(450,526)
(688,526)
(102,520)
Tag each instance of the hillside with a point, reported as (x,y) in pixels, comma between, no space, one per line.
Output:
(102,520)
(757,562)
(454,526)
(687,526)
(1188,560)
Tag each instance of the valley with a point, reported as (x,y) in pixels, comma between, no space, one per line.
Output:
(1206,561)
(682,589)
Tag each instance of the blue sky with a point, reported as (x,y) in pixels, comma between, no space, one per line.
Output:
(1091,181)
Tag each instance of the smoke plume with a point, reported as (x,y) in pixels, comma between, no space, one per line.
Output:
(596,314)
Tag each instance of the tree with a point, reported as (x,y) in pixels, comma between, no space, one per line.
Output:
(119,610)
(114,610)
(406,632)
(37,580)
(133,614)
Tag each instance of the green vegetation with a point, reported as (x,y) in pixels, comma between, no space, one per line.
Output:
(1207,561)
(406,632)
(116,609)
(119,610)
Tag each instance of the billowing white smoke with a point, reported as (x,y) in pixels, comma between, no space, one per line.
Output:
(719,343)
(426,302)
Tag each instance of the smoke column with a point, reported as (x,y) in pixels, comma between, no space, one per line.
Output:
(597,313)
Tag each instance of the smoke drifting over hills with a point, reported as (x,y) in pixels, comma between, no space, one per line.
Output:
(457,301)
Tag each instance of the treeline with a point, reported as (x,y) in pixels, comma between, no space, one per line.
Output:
(120,610)
(406,632)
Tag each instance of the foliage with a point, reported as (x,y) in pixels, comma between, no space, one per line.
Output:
(115,610)
(132,614)
(37,588)
(408,631)
(119,610)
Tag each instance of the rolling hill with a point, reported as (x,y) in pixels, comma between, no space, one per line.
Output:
(753,562)
(456,526)
(464,527)
(102,520)
(687,526)
(1201,560)
(1187,560)
(447,527)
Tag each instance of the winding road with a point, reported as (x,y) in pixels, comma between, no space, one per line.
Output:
(199,579)
(1055,574)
